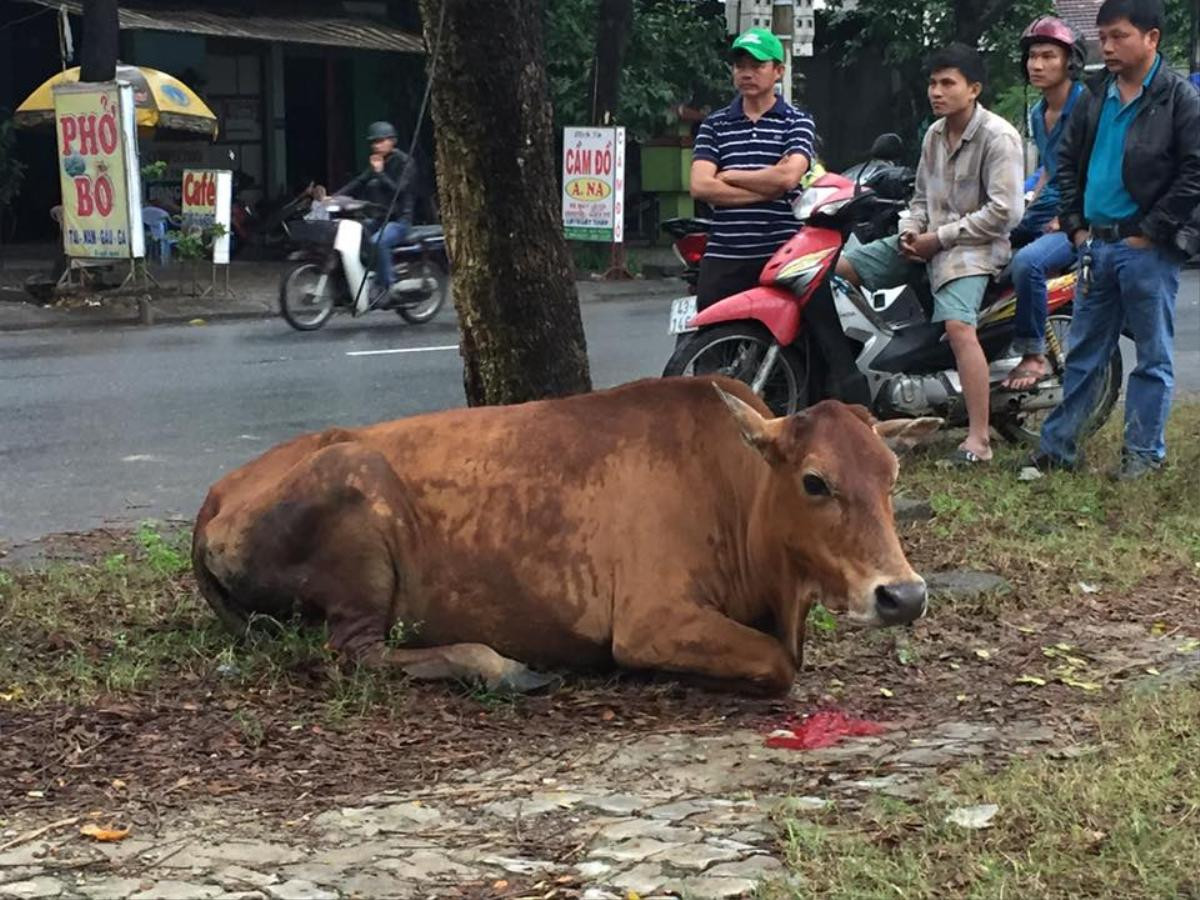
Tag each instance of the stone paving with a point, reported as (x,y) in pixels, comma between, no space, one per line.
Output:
(698,824)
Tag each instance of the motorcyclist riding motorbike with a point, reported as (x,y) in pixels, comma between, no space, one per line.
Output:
(389,174)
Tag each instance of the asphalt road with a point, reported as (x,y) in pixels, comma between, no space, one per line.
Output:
(119,424)
(113,425)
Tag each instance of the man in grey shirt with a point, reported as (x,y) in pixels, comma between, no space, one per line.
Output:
(968,198)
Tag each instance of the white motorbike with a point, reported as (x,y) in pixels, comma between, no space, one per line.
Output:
(335,270)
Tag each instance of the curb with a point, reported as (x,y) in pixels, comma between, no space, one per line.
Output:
(648,289)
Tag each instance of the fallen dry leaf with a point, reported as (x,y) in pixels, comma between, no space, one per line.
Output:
(608,715)
(106,835)
(1031,679)
(500,886)
(973,817)
(887,693)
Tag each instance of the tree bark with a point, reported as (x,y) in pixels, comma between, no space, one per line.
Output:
(613,26)
(101,28)
(518,310)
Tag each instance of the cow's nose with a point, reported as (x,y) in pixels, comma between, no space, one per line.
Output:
(900,603)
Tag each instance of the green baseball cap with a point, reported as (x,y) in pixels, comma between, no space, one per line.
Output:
(759,43)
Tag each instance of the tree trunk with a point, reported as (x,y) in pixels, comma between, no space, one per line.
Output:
(522,335)
(98,56)
(974,17)
(613,25)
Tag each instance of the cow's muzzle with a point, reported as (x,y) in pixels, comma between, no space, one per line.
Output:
(901,602)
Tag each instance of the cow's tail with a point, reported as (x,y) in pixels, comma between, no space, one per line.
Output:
(211,588)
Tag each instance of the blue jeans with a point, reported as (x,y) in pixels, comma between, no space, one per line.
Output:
(1135,288)
(1034,263)
(1033,224)
(389,237)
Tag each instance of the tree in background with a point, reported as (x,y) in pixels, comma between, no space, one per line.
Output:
(522,334)
(904,34)
(675,54)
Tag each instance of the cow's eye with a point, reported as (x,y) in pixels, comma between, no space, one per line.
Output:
(816,486)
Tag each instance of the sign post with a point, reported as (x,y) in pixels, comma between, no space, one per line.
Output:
(207,201)
(98,172)
(593,199)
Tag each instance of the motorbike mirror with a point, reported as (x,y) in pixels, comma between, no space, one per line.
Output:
(887,147)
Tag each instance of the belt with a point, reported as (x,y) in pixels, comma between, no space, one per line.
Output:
(1113,233)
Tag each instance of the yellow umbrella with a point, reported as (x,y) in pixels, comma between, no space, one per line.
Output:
(162,101)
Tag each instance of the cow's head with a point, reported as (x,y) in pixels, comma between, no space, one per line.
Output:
(827,504)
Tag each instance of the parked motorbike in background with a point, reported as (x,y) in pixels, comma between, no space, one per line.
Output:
(334,268)
(805,334)
(691,237)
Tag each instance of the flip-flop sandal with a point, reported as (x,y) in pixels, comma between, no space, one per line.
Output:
(1025,372)
(964,457)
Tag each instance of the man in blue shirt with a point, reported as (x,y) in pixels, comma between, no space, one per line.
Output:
(747,163)
(1051,60)
(1129,172)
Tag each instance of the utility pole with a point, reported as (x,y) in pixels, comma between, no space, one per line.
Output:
(101,27)
(783,26)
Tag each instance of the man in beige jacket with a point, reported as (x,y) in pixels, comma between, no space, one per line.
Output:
(968,197)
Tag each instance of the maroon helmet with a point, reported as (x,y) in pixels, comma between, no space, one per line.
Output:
(1049,30)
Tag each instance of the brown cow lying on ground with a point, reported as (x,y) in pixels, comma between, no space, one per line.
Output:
(662,525)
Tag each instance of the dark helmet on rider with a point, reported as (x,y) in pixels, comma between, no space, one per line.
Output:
(1049,30)
(380,131)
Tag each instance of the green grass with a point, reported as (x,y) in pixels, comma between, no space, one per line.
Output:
(1122,821)
(1049,535)
(132,624)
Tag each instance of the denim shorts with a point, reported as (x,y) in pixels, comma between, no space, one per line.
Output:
(880,265)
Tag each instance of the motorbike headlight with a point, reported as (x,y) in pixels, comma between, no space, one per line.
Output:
(811,199)
(799,272)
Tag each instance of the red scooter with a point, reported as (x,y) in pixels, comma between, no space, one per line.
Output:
(805,334)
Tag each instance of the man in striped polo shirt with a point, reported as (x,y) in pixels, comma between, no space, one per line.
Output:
(747,163)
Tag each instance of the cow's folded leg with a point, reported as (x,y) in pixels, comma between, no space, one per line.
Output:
(710,647)
(476,663)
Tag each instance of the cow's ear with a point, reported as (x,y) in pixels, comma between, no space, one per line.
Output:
(904,434)
(759,432)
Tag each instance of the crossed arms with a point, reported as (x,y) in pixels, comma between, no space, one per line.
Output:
(741,187)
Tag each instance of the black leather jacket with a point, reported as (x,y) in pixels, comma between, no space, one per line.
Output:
(1161,165)
(380,187)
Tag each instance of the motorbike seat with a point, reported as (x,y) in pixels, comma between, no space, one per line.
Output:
(419,233)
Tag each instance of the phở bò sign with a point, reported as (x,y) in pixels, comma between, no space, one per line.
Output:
(97,153)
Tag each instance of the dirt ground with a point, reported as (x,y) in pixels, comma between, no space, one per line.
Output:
(249,787)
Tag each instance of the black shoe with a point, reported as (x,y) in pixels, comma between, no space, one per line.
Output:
(1045,463)
(1134,467)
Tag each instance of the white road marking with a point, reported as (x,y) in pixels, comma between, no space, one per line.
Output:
(400,350)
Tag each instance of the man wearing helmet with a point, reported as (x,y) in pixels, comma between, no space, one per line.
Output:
(1051,60)
(388,176)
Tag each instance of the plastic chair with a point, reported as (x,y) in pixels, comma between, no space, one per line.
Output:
(156,222)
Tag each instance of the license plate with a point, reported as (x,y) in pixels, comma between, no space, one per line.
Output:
(683,311)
